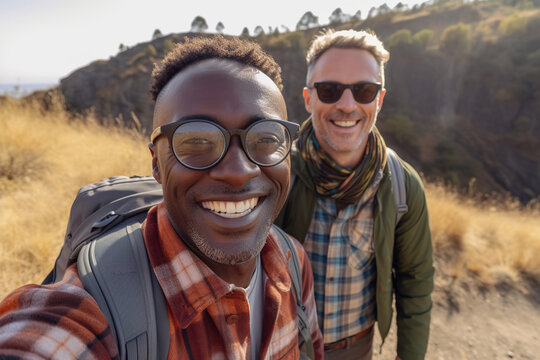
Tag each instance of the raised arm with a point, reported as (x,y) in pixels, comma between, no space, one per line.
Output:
(58,321)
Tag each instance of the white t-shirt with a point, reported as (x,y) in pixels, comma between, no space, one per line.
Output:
(255,294)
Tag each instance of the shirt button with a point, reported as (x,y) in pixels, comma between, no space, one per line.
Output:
(231,319)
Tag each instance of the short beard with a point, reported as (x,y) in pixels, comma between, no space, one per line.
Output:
(222,257)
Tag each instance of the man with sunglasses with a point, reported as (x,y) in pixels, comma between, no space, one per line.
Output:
(342,207)
(220,150)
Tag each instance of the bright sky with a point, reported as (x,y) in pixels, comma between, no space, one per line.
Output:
(42,41)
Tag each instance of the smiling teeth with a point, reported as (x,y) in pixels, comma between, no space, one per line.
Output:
(345,123)
(231,209)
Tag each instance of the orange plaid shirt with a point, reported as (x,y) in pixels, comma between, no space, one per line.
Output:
(63,321)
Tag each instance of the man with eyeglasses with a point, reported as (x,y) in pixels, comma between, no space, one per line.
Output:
(220,151)
(342,207)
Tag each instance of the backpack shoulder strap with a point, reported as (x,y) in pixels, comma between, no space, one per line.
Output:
(295,269)
(116,271)
(398,184)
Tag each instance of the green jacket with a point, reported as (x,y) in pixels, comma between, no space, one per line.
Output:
(403,253)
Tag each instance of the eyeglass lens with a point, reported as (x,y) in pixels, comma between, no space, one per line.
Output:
(200,144)
(330,92)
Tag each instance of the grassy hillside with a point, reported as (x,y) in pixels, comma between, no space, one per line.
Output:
(47,154)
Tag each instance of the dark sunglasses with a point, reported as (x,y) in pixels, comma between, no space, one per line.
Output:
(200,144)
(363,92)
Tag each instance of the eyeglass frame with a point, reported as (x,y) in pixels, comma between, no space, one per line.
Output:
(345,87)
(169,129)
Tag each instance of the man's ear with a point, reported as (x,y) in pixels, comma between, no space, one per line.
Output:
(155,166)
(307,99)
(381,97)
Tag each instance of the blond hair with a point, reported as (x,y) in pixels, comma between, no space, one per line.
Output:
(347,39)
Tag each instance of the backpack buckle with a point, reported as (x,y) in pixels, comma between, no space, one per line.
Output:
(106,220)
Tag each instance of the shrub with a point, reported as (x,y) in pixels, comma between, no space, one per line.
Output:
(402,130)
(533,58)
(523,124)
(150,51)
(456,38)
(421,39)
(17,164)
(168,45)
(514,91)
(513,25)
(400,38)
(525,5)
(289,40)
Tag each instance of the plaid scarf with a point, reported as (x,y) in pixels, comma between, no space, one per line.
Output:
(332,180)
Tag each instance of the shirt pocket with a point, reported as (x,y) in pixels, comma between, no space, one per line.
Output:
(361,250)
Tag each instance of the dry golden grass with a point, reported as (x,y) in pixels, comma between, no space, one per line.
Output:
(46,156)
(498,240)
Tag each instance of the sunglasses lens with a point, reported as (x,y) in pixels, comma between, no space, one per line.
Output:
(365,93)
(198,145)
(268,142)
(329,92)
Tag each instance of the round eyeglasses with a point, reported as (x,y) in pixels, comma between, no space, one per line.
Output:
(199,144)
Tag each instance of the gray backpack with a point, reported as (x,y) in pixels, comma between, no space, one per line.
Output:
(398,184)
(105,239)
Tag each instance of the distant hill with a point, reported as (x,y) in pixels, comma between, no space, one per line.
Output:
(463,84)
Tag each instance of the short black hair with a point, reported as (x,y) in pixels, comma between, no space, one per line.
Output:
(196,49)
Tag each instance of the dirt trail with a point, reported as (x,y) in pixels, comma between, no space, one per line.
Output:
(474,322)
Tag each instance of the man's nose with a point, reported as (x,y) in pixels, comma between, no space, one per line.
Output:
(235,168)
(347,103)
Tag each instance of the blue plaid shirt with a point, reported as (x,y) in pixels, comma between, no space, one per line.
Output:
(340,247)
